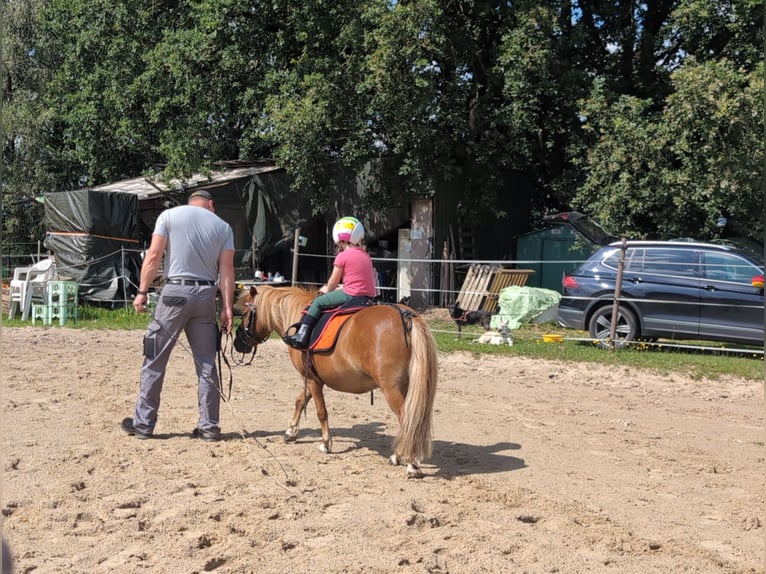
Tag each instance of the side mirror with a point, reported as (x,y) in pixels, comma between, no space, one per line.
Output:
(757,282)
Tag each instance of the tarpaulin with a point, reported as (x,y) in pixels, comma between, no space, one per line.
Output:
(519,305)
(94,238)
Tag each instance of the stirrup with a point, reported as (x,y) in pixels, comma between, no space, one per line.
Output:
(290,339)
(290,342)
(295,326)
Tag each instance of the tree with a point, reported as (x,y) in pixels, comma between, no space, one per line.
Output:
(27,158)
(315,110)
(676,171)
(595,99)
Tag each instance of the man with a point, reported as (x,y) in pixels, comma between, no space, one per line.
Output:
(198,247)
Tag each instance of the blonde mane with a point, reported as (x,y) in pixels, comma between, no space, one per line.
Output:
(278,307)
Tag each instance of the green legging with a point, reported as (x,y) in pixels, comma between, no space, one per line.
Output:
(327,301)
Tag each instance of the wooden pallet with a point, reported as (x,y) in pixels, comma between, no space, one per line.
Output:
(474,287)
(483,283)
(504,278)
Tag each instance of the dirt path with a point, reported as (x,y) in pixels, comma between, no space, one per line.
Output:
(538,466)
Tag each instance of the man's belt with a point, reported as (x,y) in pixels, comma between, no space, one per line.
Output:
(195,282)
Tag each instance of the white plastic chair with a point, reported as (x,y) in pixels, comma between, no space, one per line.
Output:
(18,289)
(28,283)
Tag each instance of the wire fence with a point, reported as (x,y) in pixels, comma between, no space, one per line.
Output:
(21,255)
(389,288)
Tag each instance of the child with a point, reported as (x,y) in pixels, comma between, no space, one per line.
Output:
(352,268)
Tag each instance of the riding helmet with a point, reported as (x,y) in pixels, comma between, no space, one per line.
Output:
(348,229)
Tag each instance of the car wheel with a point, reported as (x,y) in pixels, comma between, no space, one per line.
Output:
(601,324)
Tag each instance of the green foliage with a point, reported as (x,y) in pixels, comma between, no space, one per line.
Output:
(714,30)
(698,158)
(542,82)
(27,156)
(93,50)
(647,115)
(436,93)
(317,108)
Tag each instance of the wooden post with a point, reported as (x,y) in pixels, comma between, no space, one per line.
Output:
(421,238)
(124,277)
(296,245)
(617,293)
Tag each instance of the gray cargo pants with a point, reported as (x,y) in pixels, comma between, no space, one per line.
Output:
(191,309)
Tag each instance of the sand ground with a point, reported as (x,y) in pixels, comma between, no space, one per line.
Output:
(538,466)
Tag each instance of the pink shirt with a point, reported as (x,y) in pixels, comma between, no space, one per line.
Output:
(358,274)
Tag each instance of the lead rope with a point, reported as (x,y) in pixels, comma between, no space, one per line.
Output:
(242,432)
(241,362)
(221,352)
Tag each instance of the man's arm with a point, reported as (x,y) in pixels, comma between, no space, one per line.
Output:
(226,286)
(149,268)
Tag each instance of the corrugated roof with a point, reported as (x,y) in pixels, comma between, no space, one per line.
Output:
(152,187)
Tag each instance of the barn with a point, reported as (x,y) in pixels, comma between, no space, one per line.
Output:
(97,234)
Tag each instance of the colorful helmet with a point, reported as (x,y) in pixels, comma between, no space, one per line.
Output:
(348,229)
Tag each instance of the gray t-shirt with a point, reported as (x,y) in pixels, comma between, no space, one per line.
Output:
(196,238)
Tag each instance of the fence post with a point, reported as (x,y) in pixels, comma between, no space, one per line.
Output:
(617,293)
(296,245)
(124,277)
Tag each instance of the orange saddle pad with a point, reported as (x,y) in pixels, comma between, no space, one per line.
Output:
(325,340)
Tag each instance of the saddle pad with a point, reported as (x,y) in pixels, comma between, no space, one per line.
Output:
(327,318)
(324,339)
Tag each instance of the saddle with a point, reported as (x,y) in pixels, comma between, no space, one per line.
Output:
(330,322)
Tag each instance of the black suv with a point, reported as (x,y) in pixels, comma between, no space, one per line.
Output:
(675,290)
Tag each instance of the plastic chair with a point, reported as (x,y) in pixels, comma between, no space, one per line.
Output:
(37,285)
(32,286)
(18,289)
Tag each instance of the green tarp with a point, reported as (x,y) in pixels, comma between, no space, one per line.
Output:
(94,238)
(519,305)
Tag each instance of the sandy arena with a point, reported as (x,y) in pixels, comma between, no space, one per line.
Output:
(538,467)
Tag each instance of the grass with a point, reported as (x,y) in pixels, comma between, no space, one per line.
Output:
(708,361)
(94,317)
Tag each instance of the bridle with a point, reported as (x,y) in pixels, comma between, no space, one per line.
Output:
(245,334)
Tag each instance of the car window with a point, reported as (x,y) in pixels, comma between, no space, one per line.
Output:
(728,267)
(661,260)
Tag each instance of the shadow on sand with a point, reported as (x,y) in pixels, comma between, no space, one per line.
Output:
(449,459)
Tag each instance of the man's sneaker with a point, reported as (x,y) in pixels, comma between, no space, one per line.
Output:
(206,435)
(127,426)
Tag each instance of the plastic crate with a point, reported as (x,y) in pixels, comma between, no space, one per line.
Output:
(63,313)
(41,313)
(48,314)
(61,293)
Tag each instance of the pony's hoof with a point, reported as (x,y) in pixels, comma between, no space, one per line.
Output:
(290,436)
(325,448)
(414,471)
(393,460)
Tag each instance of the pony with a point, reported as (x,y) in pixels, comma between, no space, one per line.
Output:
(386,346)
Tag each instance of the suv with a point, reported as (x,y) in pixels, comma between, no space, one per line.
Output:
(675,290)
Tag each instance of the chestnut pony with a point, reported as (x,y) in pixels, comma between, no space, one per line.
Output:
(383,346)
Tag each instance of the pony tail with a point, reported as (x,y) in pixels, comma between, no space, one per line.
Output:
(414,439)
